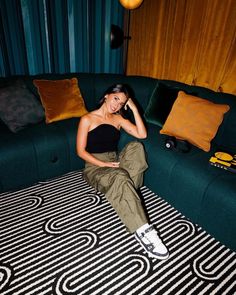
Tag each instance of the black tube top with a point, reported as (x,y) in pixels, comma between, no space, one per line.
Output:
(103,138)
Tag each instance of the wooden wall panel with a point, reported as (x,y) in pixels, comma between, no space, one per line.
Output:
(192,41)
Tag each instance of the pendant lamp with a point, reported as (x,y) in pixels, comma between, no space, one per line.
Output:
(131,4)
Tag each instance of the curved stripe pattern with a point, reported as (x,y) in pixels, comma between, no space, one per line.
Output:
(62,237)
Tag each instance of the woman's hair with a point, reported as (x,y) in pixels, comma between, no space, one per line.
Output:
(117,88)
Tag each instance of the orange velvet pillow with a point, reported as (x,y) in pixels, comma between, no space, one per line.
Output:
(61,99)
(194,119)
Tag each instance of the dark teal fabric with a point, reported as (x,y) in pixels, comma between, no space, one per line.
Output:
(160,161)
(189,179)
(218,208)
(226,135)
(18,162)
(59,37)
(160,104)
(69,130)
(51,150)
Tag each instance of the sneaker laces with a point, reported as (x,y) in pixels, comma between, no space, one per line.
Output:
(152,236)
(155,243)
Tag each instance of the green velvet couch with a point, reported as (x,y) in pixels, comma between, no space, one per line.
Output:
(203,193)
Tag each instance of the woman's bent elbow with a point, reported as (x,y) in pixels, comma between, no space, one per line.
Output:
(143,136)
(79,153)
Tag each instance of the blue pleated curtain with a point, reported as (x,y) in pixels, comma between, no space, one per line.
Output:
(59,36)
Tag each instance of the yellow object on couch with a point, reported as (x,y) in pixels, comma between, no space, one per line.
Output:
(61,99)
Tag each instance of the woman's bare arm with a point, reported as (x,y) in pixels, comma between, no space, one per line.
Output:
(138,129)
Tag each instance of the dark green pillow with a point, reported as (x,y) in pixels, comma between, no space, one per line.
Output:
(160,104)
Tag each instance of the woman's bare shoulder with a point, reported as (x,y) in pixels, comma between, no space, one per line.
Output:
(90,119)
(89,116)
(85,120)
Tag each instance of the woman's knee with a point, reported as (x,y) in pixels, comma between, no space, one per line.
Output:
(121,172)
(133,148)
(135,144)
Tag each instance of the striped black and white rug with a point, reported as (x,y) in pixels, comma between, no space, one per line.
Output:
(61,237)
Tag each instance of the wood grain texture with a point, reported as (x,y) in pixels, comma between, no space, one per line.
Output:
(191,41)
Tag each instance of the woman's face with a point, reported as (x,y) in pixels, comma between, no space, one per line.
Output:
(115,101)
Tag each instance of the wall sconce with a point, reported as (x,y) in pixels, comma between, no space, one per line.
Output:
(117,35)
(116,40)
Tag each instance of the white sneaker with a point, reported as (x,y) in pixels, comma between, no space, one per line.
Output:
(152,244)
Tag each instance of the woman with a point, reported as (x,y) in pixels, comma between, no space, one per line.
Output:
(118,175)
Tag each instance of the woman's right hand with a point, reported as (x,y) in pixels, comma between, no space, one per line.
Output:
(112,164)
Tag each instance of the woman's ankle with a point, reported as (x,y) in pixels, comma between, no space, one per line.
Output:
(142,228)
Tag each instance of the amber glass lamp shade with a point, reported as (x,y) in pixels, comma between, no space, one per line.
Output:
(131,4)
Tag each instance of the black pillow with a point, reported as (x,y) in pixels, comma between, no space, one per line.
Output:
(19,107)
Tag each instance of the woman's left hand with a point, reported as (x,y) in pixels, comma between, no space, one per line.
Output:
(136,129)
(130,104)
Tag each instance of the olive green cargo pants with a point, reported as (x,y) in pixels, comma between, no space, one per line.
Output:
(119,184)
